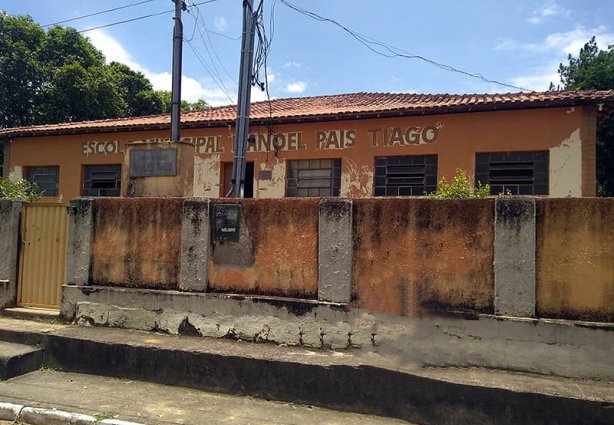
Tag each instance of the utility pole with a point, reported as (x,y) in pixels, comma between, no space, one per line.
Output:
(243,102)
(176,90)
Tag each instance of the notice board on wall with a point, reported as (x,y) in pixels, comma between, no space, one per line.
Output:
(153,162)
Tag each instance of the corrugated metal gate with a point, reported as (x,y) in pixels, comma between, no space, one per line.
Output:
(42,266)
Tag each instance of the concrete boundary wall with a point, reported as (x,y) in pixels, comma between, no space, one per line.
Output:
(80,235)
(195,245)
(10,214)
(564,348)
(400,257)
(335,251)
(514,260)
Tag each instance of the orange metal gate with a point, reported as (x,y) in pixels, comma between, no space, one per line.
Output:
(42,266)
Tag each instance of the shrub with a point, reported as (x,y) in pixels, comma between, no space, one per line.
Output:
(21,190)
(460,188)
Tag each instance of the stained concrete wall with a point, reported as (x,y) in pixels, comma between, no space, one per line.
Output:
(277,251)
(412,256)
(10,212)
(394,256)
(562,348)
(575,258)
(136,242)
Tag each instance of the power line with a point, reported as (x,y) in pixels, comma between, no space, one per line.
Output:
(204,32)
(139,18)
(208,69)
(124,22)
(392,50)
(98,13)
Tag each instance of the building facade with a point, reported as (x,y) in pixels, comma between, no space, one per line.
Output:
(355,145)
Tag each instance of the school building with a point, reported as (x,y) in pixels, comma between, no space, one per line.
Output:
(350,145)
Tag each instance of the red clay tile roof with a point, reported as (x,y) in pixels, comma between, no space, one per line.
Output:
(333,107)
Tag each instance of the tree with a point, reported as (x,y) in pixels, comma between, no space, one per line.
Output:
(594,69)
(59,76)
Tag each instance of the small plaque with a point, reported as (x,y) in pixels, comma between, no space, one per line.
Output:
(226,218)
(154,162)
(265,175)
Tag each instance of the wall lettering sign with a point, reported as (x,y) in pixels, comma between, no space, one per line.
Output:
(401,136)
(100,148)
(153,162)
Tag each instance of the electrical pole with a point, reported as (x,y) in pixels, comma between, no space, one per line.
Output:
(243,102)
(176,90)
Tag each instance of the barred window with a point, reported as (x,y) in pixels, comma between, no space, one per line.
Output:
(314,177)
(517,173)
(405,175)
(46,178)
(102,180)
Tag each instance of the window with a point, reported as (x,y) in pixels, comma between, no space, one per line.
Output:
(314,177)
(518,173)
(46,178)
(405,175)
(102,180)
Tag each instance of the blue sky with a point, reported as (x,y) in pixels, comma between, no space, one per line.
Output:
(516,42)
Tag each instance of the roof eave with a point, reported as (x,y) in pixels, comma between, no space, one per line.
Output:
(438,110)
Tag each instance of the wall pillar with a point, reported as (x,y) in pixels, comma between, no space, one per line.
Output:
(10,212)
(195,245)
(514,257)
(80,238)
(335,250)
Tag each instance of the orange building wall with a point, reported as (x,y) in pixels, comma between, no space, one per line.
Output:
(137,242)
(567,132)
(277,253)
(574,259)
(412,256)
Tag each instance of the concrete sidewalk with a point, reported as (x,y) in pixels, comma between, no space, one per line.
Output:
(156,404)
(348,380)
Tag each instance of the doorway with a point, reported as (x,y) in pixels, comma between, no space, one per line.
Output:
(249,179)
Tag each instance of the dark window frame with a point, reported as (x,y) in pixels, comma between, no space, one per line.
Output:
(514,172)
(101,191)
(31,176)
(312,166)
(405,175)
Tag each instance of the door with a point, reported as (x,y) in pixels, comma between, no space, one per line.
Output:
(42,265)
(248,190)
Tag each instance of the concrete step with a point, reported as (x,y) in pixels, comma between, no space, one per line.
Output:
(18,359)
(32,313)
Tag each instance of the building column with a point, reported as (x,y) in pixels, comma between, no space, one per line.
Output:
(80,238)
(10,213)
(195,245)
(514,257)
(335,250)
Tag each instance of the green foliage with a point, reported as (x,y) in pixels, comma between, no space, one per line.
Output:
(21,190)
(59,76)
(460,188)
(594,69)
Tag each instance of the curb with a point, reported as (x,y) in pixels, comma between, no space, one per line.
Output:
(40,416)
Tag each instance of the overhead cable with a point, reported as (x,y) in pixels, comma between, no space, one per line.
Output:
(392,50)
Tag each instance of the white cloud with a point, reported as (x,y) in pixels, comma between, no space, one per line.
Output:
(296,87)
(548,10)
(191,89)
(554,50)
(539,79)
(112,49)
(506,45)
(292,64)
(572,41)
(220,23)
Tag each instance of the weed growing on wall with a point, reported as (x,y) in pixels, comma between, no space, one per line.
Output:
(460,188)
(21,190)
